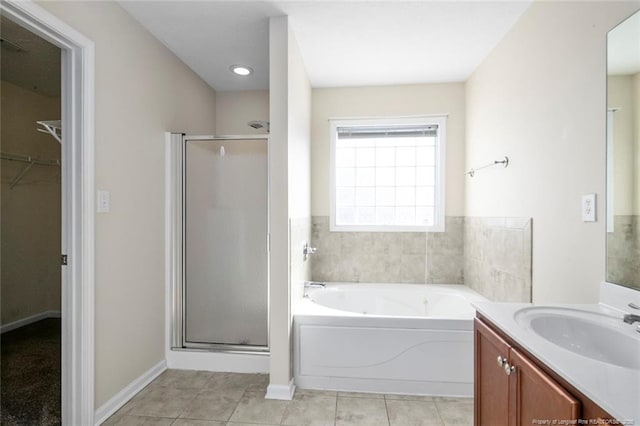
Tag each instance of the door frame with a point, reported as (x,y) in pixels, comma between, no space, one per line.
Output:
(77,190)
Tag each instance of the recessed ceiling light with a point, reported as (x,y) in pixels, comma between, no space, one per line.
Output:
(241,70)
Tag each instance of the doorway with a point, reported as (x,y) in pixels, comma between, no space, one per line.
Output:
(30,283)
(76,171)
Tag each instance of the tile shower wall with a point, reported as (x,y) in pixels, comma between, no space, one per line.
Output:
(497,260)
(623,251)
(392,257)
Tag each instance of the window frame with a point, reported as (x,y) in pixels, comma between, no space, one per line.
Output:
(440,191)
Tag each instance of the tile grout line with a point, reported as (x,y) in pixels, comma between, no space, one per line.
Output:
(195,396)
(286,408)
(386,409)
(440,415)
(442,422)
(236,407)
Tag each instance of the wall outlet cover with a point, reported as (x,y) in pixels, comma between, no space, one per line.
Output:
(589,208)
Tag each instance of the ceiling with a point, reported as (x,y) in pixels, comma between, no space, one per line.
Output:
(28,61)
(623,47)
(343,43)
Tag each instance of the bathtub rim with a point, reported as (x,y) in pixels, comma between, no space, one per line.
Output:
(308,312)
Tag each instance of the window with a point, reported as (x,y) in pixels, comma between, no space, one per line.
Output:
(388,174)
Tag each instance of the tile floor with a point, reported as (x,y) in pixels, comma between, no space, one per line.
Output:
(199,398)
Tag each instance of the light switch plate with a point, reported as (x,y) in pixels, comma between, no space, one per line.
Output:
(103,200)
(589,208)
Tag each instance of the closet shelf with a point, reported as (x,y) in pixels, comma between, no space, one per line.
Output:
(52,127)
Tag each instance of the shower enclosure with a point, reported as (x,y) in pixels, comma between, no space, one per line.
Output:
(220,242)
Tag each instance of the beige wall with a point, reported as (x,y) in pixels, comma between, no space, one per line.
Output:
(31,210)
(299,168)
(540,98)
(390,101)
(279,297)
(290,108)
(236,108)
(142,90)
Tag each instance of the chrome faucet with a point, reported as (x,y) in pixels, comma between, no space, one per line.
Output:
(631,318)
(312,284)
(307,250)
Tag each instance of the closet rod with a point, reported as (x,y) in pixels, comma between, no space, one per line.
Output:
(28,159)
(30,163)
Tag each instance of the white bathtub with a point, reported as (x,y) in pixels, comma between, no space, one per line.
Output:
(387,338)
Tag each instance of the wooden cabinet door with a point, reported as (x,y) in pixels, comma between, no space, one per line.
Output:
(491,383)
(536,396)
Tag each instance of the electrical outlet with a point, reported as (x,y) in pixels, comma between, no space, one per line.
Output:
(589,208)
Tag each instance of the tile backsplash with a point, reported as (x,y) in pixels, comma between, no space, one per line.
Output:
(493,256)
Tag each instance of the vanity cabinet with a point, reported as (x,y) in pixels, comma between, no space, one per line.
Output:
(491,382)
(534,395)
(513,389)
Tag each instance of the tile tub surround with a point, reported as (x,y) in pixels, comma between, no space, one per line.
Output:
(623,251)
(445,253)
(190,398)
(497,258)
(490,255)
(384,257)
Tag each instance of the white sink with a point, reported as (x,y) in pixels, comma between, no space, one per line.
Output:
(598,336)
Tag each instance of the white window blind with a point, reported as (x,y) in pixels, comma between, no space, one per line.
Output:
(387,174)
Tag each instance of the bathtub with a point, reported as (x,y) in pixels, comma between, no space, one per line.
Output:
(386,338)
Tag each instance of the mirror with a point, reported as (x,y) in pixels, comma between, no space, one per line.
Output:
(623,152)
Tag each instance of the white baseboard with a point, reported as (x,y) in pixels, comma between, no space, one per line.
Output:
(284,392)
(29,320)
(217,361)
(122,397)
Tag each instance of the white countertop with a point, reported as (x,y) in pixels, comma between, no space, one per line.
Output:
(615,389)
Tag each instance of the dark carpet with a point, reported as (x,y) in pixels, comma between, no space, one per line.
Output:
(30,375)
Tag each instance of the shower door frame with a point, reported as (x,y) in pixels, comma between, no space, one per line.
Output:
(178,281)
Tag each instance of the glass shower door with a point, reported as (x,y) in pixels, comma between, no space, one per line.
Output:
(225,243)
